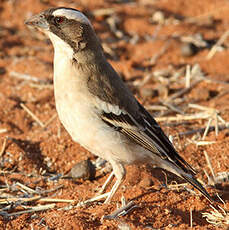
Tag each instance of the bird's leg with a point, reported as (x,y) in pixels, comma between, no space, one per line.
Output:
(119,172)
(113,191)
(108,181)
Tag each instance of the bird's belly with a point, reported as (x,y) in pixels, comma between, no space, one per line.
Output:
(86,128)
(77,119)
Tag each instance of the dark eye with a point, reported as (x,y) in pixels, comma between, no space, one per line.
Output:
(59,20)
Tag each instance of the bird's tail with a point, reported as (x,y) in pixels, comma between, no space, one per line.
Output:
(194,182)
(186,174)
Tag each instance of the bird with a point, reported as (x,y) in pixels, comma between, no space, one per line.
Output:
(97,108)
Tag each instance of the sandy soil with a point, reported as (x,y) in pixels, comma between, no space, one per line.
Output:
(146,46)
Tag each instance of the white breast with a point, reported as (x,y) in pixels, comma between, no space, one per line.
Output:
(71,97)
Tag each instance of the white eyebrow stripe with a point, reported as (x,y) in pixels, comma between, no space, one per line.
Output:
(72,14)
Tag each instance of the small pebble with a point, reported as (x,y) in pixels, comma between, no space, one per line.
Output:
(188,49)
(2,70)
(84,169)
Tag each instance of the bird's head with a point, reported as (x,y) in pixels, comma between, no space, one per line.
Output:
(69,30)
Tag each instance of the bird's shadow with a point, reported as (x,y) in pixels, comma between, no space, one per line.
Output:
(33,153)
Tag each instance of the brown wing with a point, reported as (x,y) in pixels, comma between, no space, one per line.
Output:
(145,131)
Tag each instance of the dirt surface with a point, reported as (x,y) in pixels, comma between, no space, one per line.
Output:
(144,41)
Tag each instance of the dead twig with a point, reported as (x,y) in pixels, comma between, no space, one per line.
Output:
(18,199)
(3,131)
(207,128)
(82,203)
(32,115)
(183,91)
(188,77)
(41,86)
(218,43)
(156,107)
(103,12)
(201,130)
(3,147)
(201,143)
(30,210)
(187,117)
(213,115)
(26,77)
(172,107)
(33,199)
(217,217)
(25,188)
(210,165)
(121,211)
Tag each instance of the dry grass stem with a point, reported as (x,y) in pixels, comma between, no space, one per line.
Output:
(82,203)
(196,40)
(31,209)
(32,115)
(18,199)
(203,108)
(216,124)
(218,43)
(56,200)
(210,180)
(201,130)
(188,77)
(180,117)
(184,186)
(207,128)
(3,131)
(201,143)
(41,86)
(51,190)
(103,12)
(209,165)
(183,91)
(172,107)
(23,76)
(25,188)
(32,199)
(223,121)
(213,115)
(121,211)
(190,211)
(218,218)
(3,147)
(156,108)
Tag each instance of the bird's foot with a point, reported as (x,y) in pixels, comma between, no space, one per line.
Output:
(93,199)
